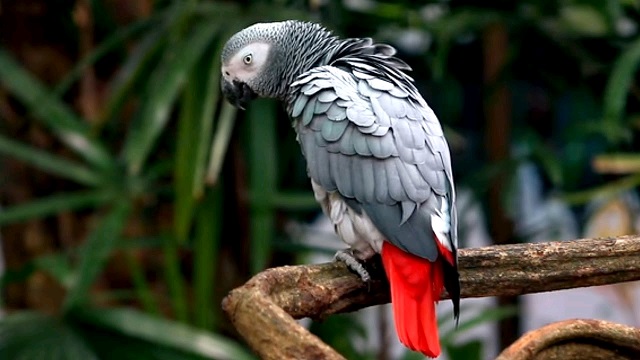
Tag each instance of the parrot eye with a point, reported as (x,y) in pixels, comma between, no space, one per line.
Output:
(247,59)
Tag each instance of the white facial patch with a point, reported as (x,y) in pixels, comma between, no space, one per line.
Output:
(247,63)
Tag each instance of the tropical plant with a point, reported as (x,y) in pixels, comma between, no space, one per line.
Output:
(143,172)
(172,78)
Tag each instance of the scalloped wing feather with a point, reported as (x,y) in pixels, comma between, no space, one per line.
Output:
(375,141)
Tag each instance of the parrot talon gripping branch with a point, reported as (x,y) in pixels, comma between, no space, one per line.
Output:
(377,158)
(353,264)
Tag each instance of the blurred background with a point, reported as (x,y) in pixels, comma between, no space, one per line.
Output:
(133,198)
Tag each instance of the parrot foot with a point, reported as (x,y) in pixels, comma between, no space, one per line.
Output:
(347,257)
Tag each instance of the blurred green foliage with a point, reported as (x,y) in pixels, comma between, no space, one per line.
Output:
(577,55)
(174,73)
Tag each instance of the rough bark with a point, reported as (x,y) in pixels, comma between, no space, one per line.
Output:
(263,310)
(577,339)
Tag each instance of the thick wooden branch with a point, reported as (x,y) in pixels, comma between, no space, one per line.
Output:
(577,339)
(263,310)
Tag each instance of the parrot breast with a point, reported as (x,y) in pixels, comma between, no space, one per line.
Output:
(355,229)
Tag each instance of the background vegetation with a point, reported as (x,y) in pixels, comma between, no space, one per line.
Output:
(133,197)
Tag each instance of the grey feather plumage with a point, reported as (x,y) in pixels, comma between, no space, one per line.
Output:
(364,129)
(378,143)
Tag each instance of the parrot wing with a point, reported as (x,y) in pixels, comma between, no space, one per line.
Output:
(377,142)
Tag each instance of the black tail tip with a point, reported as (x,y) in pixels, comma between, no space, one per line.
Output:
(452,284)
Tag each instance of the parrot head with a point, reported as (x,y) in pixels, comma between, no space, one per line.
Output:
(265,58)
(246,59)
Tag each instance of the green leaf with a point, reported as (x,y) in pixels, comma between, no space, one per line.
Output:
(33,336)
(204,143)
(135,70)
(15,275)
(539,150)
(609,189)
(617,163)
(163,332)
(110,44)
(57,265)
(162,90)
(96,250)
(221,10)
(111,345)
(487,315)
(52,112)
(221,142)
(47,162)
(261,120)
(52,205)
(194,136)
(140,284)
(184,202)
(295,200)
(174,278)
(146,242)
(205,263)
(412,355)
(471,350)
(618,85)
(584,20)
(342,332)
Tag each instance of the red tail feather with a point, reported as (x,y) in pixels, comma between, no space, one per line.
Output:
(416,285)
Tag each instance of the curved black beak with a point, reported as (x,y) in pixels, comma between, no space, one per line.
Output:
(237,93)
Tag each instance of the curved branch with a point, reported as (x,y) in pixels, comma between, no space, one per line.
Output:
(572,339)
(263,310)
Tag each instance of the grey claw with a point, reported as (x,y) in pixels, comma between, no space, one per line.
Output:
(347,257)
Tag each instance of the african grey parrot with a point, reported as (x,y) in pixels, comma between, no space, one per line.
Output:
(378,161)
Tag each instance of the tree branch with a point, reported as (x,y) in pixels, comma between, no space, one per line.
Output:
(263,310)
(573,339)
